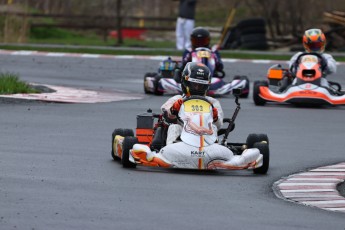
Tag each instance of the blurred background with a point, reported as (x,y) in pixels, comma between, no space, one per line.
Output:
(234,24)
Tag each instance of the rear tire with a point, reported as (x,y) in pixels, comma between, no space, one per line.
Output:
(127,144)
(155,83)
(121,132)
(254,138)
(256,97)
(264,150)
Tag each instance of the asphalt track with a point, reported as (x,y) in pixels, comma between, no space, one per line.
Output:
(56,171)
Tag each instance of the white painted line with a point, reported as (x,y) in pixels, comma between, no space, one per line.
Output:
(324,202)
(327,170)
(230,60)
(23,52)
(305,184)
(313,196)
(55,54)
(335,209)
(90,55)
(308,190)
(262,61)
(333,166)
(315,179)
(321,174)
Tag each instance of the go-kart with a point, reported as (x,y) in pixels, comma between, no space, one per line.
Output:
(165,81)
(301,86)
(151,135)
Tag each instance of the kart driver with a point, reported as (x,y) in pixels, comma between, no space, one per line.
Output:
(314,40)
(200,37)
(189,88)
(195,81)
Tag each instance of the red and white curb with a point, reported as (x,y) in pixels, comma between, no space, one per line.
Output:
(144,57)
(72,95)
(317,188)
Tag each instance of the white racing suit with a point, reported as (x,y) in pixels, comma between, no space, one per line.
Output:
(331,67)
(175,130)
(199,148)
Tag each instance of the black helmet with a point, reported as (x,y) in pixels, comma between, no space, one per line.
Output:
(196,79)
(200,37)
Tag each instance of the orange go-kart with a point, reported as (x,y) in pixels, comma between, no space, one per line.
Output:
(304,86)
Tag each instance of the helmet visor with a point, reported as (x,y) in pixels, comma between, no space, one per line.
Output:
(316,46)
(197,87)
(200,42)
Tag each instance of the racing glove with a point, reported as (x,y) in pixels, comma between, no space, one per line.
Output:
(215,114)
(176,107)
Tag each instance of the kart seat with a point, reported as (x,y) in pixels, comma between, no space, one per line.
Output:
(159,138)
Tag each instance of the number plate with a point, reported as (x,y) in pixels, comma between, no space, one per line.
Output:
(203,54)
(196,105)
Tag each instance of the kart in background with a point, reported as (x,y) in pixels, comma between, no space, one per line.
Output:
(165,81)
(302,88)
(151,132)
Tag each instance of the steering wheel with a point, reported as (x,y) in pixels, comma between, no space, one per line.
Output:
(322,61)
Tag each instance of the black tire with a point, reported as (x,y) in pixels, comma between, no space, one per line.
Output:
(253,38)
(145,77)
(265,151)
(256,97)
(127,144)
(256,138)
(252,22)
(150,74)
(157,78)
(253,30)
(231,36)
(121,132)
(246,88)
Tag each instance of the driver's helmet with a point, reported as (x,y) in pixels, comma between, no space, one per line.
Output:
(196,79)
(200,37)
(314,40)
(167,67)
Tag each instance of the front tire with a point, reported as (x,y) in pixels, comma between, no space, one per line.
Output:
(120,132)
(127,144)
(256,97)
(147,75)
(264,150)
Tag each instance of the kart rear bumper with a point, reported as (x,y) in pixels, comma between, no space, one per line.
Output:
(303,95)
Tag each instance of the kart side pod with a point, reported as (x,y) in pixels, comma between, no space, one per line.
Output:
(144,130)
(275,74)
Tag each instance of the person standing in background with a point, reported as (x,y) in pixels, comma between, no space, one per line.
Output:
(185,23)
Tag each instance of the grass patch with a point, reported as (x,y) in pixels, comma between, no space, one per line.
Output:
(89,38)
(10,84)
